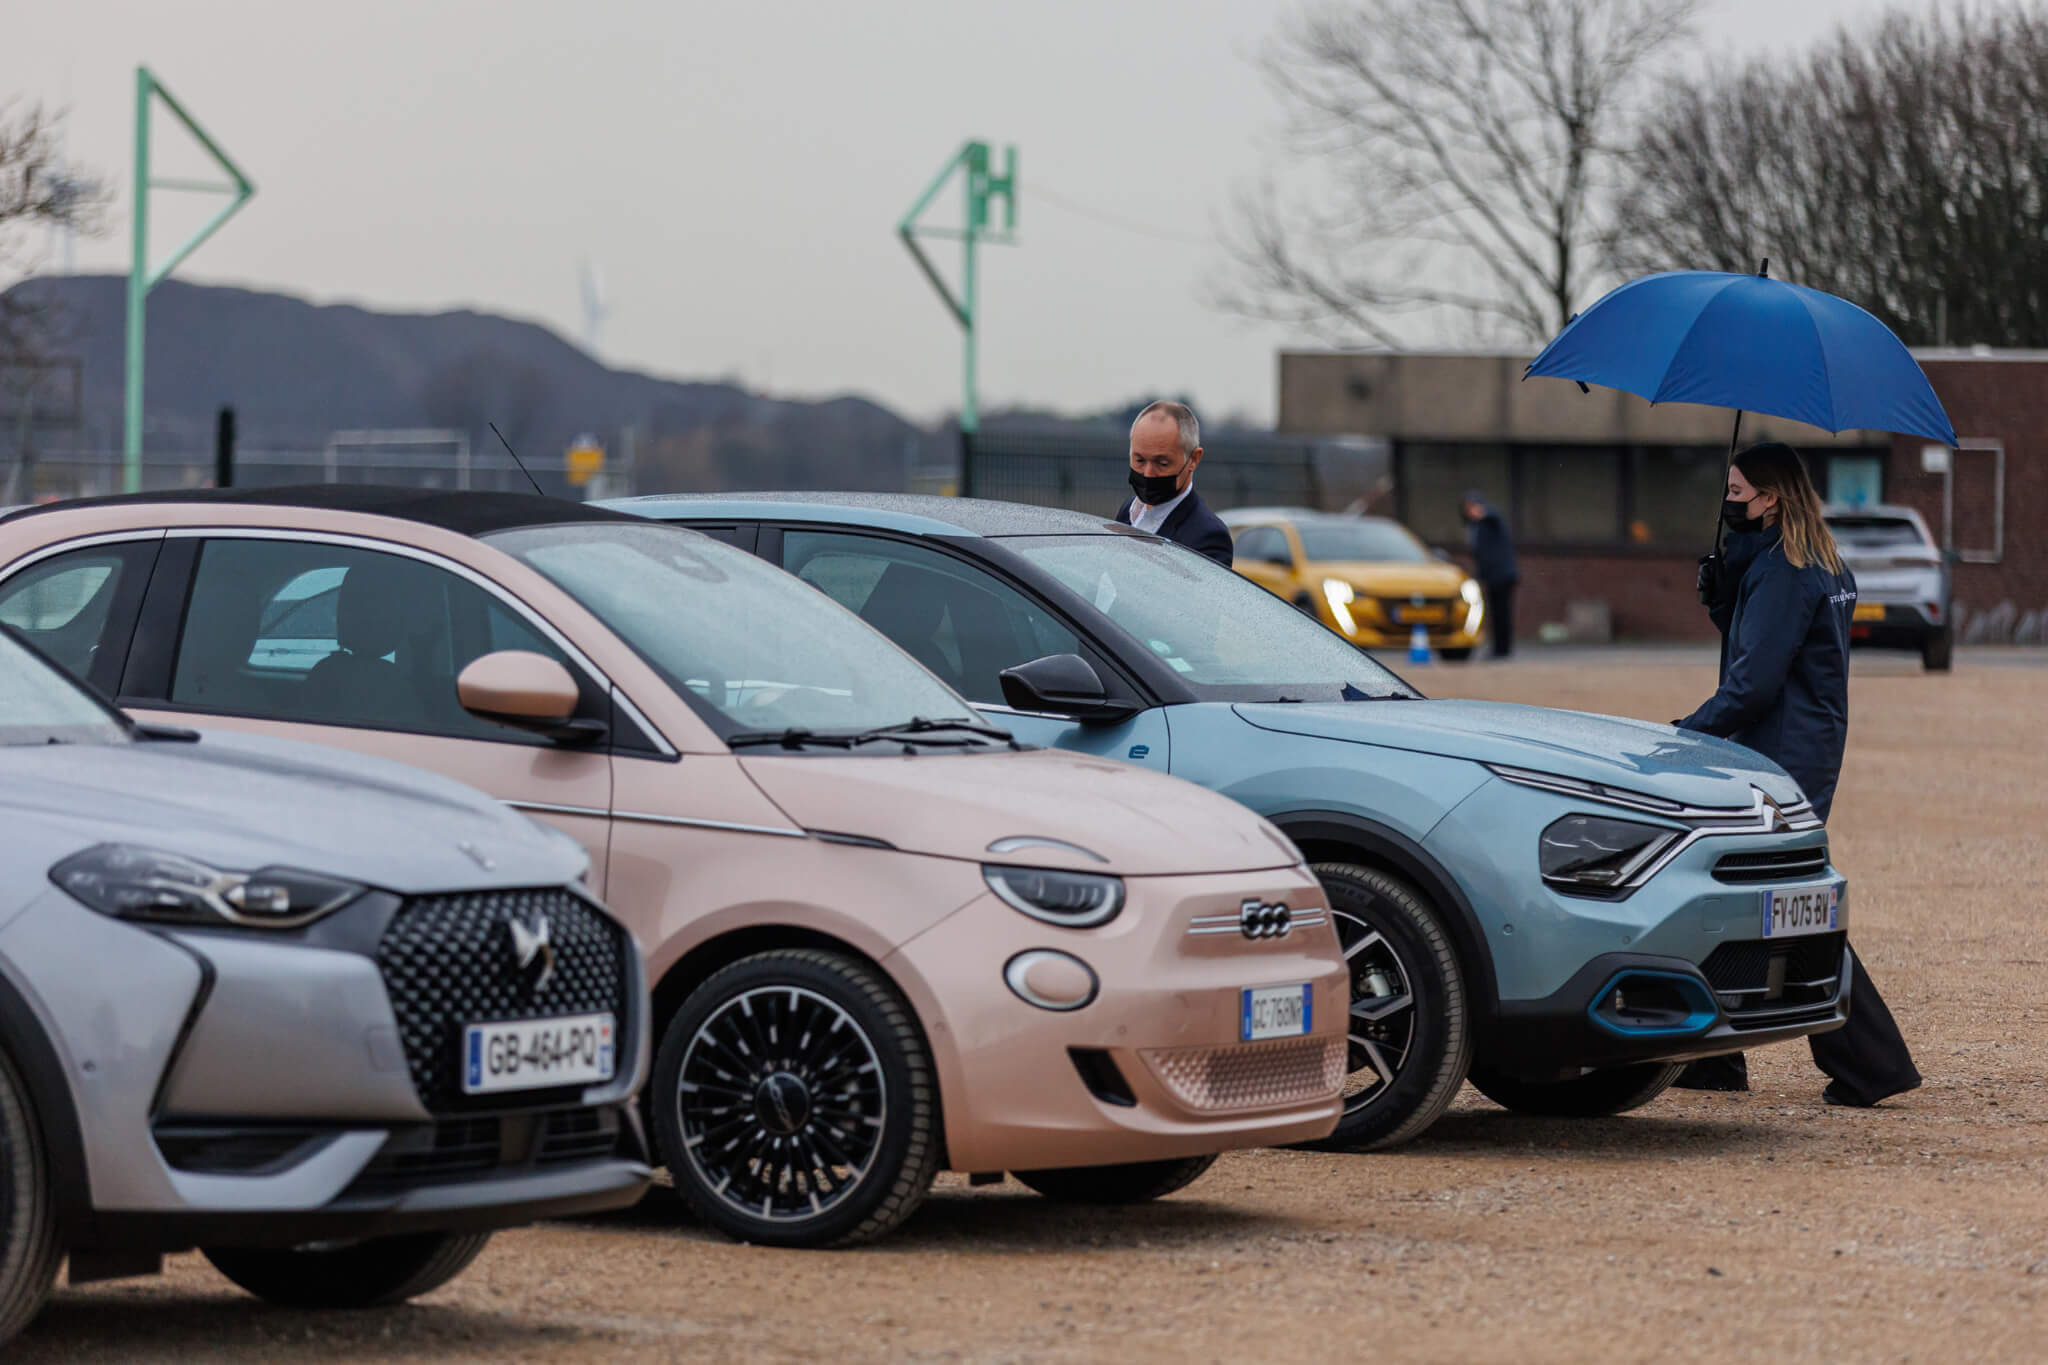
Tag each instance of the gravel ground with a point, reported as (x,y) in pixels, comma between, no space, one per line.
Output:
(1702,1226)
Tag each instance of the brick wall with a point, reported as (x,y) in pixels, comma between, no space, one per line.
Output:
(2005,399)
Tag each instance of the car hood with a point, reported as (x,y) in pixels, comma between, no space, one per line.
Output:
(955,805)
(1382,579)
(1637,755)
(242,802)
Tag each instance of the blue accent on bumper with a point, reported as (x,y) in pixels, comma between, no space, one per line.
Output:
(1705,1009)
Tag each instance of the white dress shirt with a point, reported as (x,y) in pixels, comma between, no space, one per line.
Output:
(1146,517)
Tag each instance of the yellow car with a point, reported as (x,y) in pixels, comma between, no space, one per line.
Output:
(1367,578)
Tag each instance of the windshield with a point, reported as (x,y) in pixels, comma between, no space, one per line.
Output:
(1384,541)
(1876,533)
(1227,638)
(751,648)
(40,704)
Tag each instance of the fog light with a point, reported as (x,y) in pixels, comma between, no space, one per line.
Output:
(1649,1002)
(1051,980)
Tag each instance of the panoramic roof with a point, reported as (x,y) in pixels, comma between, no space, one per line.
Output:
(930,515)
(467,513)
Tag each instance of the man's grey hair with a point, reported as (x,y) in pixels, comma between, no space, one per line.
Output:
(1183,417)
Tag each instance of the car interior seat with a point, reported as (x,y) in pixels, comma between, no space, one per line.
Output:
(908,604)
(382,610)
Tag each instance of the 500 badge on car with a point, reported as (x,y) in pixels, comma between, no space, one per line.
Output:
(533,1053)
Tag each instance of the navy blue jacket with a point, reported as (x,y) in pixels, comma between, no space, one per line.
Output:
(1493,553)
(1192,524)
(1785,666)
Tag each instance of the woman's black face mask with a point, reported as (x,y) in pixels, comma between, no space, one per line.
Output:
(1735,514)
(1153,489)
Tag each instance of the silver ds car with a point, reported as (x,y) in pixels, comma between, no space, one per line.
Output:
(326,1018)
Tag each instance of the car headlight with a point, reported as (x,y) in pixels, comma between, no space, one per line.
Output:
(1591,853)
(1469,590)
(146,884)
(1340,596)
(1075,900)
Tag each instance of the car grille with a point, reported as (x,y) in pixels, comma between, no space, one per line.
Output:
(488,1145)
(449,961)
(1253,1076)
(1774,865)
(1761,981)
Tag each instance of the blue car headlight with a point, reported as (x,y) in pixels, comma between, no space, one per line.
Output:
(1592,854)
(130,882)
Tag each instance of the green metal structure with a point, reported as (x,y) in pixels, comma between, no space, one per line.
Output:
(141,279)
(982,185)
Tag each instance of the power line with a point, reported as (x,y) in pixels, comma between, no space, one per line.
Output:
(1074,206)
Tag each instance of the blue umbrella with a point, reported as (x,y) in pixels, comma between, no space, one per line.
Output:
(1750,343)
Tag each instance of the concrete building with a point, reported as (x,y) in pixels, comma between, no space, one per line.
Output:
(1612,500)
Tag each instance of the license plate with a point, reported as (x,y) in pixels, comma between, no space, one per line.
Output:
(533,1054)
(1419,616)
(1277,1011)
(1814,910)
(1867,611)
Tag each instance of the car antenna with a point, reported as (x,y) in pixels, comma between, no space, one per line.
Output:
(515,458)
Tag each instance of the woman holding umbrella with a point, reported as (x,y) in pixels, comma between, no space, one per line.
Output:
(1783,604)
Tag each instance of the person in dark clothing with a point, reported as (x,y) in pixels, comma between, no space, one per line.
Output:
(1783,601)
(1493,553)
(1166,445)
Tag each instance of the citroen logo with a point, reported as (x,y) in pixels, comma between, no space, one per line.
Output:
(1256,919)
(536,954)
(1774,814)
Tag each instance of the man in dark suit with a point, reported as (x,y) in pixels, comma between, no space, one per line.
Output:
(1166,446)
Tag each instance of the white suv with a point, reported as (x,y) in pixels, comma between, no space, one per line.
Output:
(1901,582)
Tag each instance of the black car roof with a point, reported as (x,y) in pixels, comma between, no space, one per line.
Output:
(464,512)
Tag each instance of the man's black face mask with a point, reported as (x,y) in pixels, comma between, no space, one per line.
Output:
(1153,489)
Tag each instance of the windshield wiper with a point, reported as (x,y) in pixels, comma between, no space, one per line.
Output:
(916,730)
(918,725)
(795,737)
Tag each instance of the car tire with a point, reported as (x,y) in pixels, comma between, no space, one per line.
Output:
(1938,651)
(1132,1183)
(367,1274)
(29,1249)
(727,1115)
(1456,656)
(1406,1060)
(1597,1094)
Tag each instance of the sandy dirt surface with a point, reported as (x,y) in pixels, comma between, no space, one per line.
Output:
(1759,1226)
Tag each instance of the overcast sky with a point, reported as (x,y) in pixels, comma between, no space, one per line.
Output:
(734,169)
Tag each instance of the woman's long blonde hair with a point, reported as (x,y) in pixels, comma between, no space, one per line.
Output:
(1773,467)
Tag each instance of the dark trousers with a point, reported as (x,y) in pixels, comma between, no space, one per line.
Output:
(1500,616)
(1867,1057)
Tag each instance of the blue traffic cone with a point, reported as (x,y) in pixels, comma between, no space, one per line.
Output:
(1418,647)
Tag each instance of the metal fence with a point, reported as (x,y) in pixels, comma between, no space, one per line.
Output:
(1089,473)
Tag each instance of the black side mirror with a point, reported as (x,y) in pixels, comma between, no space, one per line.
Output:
(1064,685)
(1279,558)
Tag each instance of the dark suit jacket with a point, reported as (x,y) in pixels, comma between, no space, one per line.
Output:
(1193,525)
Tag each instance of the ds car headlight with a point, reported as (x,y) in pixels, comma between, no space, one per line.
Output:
(146,884)
(1591,854)
(1075,900)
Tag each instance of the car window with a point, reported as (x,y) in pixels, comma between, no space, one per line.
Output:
(1370,541)
(1877,533)
(956,619)
(336,635)
(749,649)
(65,604)
(39,705)
(1263,545)
(1227,637)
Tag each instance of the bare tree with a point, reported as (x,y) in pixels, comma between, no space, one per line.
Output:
(1903,166)
(36,191)
(1460,158)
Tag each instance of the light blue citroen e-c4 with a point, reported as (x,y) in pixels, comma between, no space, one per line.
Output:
(1560,907)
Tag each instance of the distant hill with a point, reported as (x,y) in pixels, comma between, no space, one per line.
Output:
(295,372)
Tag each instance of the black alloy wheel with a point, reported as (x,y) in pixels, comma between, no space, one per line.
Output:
(1410,1032)
(796,1104)
(29,1249)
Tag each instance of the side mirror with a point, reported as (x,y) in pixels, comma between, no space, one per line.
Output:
(1441,553)
(527,691)
(1064,685)
(1280,559)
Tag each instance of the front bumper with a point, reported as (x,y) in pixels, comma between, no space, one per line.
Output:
(1154,1067)
(1559,1036)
